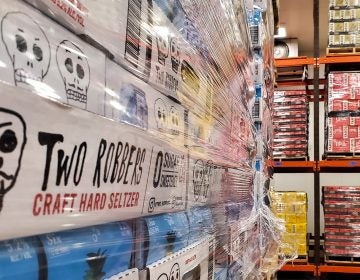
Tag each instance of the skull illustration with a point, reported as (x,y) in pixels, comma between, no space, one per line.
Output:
(12,143)
(161,114)
(75,72)
(163,277)
(174,121)
(175,54)
(27,47)
(163,47)
(208,176)
(175,272)
(198,178)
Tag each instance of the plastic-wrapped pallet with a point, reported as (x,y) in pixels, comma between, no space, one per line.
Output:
(126,141)
(290,124)
(292,207)
(341,205)
(342,113)
(344,20)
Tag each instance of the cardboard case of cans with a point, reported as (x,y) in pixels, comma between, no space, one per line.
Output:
(344,19)
(342,120)
(126,140)
(290,124)
(292,207)
(341,206)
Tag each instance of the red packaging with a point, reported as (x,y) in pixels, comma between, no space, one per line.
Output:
(343,132)
(337,121)
(344,145)
(340,81)
(336,105)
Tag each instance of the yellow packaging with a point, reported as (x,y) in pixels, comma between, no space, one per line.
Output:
(288,238)
(301,249)
(290,218)
(300,228)
(300,218)
(301,208)
(300,238)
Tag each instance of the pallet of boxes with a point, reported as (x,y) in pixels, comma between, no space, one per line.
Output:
(343,115)
(292,208)
(342,233)
(344,24)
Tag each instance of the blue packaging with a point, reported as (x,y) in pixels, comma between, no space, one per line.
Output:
(167,234)
(201,223)
(96,252)
(19,259)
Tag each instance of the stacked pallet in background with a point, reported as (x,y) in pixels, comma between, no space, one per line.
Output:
(290,124)
(343,122)
(292,207)
(342,221)
(344,23)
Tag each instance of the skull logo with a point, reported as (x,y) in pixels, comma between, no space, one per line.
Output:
(75,72)
(12,143)
(198,178)
(163,48)
(174,121)
(161,114)
(27,47)
(175,272)
(163,277)
(175,54)
(208,175)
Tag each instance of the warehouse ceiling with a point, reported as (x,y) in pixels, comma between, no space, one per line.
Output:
(297,17)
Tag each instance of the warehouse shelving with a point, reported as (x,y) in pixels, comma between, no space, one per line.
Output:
(348,165)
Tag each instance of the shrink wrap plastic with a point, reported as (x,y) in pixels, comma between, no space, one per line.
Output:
(127,145)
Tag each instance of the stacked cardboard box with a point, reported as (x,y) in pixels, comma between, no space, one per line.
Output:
(342,220)
(290,124)
(343,122)
(344,21)
(292,207)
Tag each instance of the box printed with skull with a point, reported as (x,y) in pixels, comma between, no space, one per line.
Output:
(42,56)
(122,28)
(132,101)
(201,177)
(29,171)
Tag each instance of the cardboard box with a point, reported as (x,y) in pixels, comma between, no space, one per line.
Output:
(194,262)
(344,145)
(117,171)
(132,101)
(343,105)
(340,121)
(343,132)
(56,64)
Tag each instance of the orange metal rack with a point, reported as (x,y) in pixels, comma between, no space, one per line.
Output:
(337,165)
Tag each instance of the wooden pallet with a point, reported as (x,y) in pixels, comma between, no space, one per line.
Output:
(294,158)
(342,51)
(299,260)
(341,156)
(342,260)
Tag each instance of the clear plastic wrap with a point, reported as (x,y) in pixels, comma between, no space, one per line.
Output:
(127,145)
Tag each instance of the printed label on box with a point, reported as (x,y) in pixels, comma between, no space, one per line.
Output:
(166,185)
(132,101)
(85,166)
(195,262)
